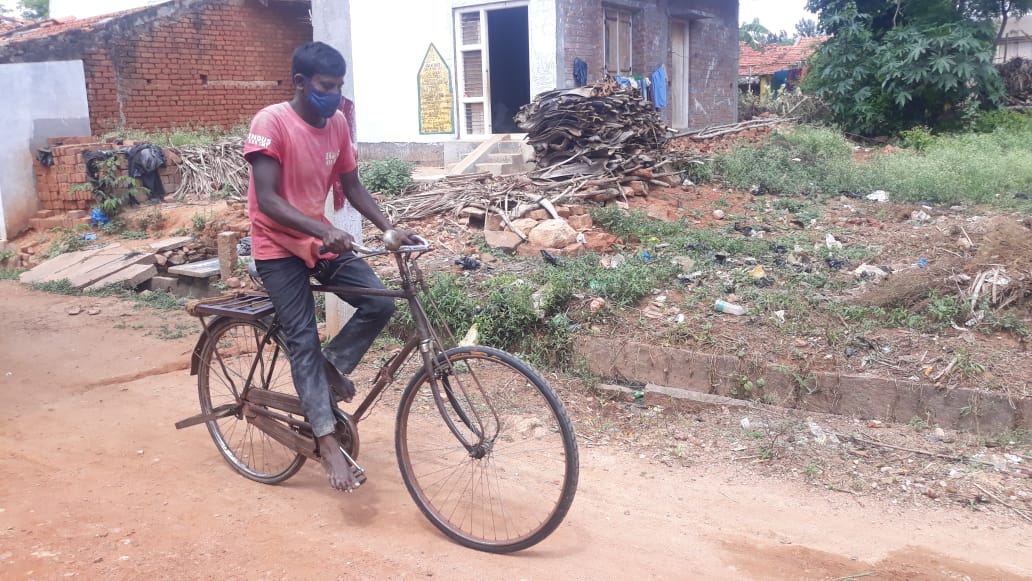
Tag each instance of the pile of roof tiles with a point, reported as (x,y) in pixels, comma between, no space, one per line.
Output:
(602,129)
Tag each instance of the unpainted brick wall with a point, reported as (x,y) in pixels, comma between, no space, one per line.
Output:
(714,47)
(54,184)
(210,63)
(218,66)
(57,185)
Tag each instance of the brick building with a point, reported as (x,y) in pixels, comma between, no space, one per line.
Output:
(697,40)
(498,55)
(773,66)
(182,63)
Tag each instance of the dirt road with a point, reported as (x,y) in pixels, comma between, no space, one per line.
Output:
(96,483)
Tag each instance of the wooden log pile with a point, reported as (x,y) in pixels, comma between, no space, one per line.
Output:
(1017,77)
(599,129)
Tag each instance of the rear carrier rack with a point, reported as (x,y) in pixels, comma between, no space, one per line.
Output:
(247,306)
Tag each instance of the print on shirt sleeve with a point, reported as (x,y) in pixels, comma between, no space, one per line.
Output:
(264,136)
(259,140)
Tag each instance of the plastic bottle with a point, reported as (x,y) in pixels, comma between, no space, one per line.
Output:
(729,308)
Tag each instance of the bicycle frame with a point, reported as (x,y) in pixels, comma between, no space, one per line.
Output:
(422,339)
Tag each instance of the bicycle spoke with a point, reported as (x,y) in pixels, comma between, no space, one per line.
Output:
(238,356)
(513,485)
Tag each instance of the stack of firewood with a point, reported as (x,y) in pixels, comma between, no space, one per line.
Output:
(600,129)
(1017,77)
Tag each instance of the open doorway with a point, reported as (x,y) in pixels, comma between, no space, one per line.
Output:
(508,36)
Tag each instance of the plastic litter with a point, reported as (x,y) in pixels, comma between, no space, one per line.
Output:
(880,196)
(729,308)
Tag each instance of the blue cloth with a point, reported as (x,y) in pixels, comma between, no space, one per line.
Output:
(580,72)
(659,87)
(98,218)
(623,81)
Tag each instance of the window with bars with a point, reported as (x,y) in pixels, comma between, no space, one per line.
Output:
(618,46)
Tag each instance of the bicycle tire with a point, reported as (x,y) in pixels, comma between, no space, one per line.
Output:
(231,348)
(433,461)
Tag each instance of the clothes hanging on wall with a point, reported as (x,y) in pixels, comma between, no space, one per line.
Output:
(659,87)
(580,72)
(144,161)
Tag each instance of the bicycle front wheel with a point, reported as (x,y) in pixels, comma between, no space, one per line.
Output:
(512,480)
(234,357)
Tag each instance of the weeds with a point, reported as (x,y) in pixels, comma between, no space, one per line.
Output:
(67,240)
(9,273)
(181,136)
(59,287)
(167,333)
(981,168)
(388,176)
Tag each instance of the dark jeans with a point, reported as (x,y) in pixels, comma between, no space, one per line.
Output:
(287,282)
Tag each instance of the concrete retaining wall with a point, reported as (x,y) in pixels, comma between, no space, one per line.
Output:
(853,395)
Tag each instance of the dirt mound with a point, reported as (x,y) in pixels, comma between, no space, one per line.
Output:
(998,274)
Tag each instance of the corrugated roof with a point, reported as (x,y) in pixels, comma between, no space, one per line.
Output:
(774,58)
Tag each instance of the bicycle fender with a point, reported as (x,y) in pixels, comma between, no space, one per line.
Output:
(195,357)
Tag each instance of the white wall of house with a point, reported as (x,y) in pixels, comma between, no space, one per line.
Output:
(389,40)
(39,100)
(1016,41)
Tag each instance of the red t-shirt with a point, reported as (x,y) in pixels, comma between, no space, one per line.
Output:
(311,160)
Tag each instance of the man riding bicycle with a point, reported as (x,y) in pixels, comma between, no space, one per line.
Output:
(297,150)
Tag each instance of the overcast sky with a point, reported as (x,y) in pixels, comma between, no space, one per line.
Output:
(776,15)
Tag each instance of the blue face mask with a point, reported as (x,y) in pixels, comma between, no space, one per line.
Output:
(325,104)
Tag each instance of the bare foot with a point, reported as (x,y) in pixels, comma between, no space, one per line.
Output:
(343,388)
(338,470)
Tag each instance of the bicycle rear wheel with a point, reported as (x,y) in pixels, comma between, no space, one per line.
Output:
(515,484)
(233,347)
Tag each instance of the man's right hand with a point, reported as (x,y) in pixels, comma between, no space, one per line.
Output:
(337,241)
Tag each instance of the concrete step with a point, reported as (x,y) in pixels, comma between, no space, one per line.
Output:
(504,158)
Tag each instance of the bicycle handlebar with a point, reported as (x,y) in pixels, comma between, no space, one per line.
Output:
(389,238)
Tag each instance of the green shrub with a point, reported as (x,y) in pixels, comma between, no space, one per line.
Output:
(917,138)
(388,176)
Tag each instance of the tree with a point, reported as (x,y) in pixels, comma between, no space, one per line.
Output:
(807,28)
(34,9)
(1000,11)
(893,65)
(753,33)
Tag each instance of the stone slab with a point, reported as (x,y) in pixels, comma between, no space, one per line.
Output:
(171,243)
(203,269)
(104,264)
(51,269)
(129,277)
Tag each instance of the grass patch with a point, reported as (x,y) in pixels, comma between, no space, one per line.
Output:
(980,168)
(171,333)
(799,160)
(987,167)
(10,273)
(182,136)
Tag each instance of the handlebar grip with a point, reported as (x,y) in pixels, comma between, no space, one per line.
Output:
(423,246)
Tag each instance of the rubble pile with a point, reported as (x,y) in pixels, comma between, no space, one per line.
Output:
(599,129)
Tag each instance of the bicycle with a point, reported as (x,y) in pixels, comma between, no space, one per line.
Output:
(484,445)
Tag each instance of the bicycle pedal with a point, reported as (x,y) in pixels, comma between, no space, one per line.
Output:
(359,474)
